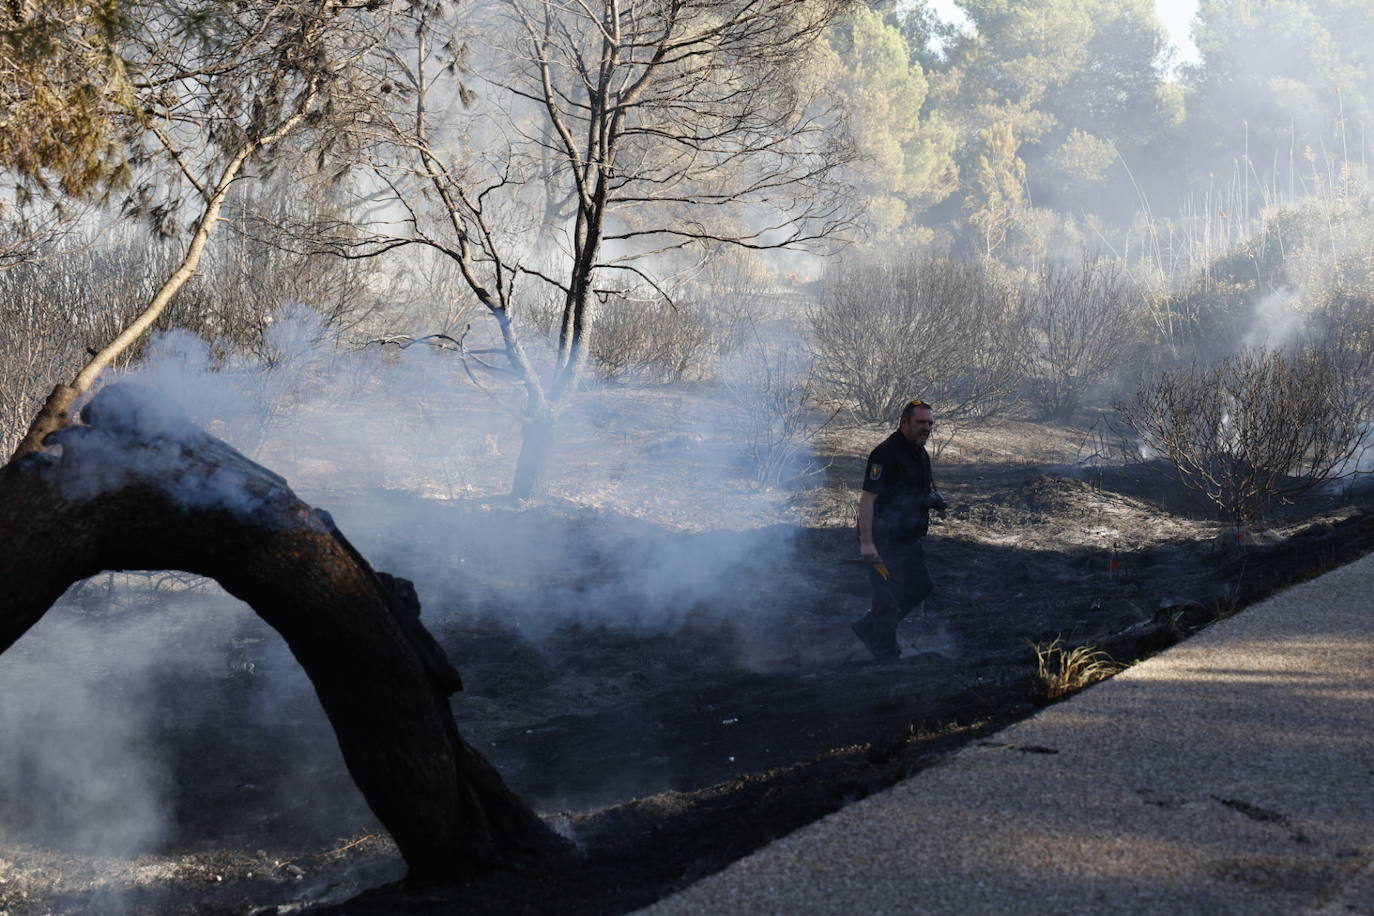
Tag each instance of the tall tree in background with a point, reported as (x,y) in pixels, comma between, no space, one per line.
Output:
(1283,96)
(1050,95)
(997,186)
(905,152)
(1117,107)
(607,140)
(996,76)
(1018,50)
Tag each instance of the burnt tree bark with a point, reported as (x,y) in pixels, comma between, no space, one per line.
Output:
(140,487)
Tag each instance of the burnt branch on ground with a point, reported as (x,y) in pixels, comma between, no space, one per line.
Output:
(140,487)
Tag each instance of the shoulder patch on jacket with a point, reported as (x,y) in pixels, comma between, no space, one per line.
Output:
(875,471)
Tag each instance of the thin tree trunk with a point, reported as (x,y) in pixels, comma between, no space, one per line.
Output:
(56,414)
(141,488)
(532,466)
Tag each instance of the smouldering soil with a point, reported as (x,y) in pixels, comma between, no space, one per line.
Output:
(660,663)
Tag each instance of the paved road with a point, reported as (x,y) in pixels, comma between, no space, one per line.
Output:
(1232,774)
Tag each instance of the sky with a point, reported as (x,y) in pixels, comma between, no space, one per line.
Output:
(1176,15)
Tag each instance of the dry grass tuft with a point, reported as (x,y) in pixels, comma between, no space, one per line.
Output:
(1063,671)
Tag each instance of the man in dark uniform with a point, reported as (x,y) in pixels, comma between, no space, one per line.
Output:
(898,495)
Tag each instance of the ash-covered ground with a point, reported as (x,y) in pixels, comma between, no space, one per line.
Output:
(659,658)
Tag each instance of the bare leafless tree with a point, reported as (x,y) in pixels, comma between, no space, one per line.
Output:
(642,336)
(55,311)
(245,280)
(1342,328)
(30,235)
(58,309)
(1082,320)
(1253,431)
(769,385)
(890,327)
(621,136)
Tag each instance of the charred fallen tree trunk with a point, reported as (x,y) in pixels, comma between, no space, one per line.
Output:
(140,487)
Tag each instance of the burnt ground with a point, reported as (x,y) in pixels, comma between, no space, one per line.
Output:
(667,739)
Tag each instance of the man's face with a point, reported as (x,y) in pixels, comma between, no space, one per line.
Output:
(917,427)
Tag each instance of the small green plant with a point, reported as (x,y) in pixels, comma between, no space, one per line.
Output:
(1062,671)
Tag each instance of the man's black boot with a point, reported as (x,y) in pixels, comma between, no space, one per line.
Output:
(881,649)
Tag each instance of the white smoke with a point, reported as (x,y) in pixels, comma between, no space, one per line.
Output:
(1275,321)
(655,522)
(79,716)
(413,463)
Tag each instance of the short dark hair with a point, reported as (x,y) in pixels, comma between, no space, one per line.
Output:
(913,406)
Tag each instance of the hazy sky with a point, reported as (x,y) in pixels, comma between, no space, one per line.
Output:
(1175,14)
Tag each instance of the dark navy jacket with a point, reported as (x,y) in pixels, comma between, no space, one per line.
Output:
(898,474)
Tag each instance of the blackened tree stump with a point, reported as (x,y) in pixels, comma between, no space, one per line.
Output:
(138,486)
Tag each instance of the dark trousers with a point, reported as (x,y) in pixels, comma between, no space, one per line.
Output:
(908,585)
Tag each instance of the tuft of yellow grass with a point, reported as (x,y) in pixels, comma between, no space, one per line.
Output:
(1063,671)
